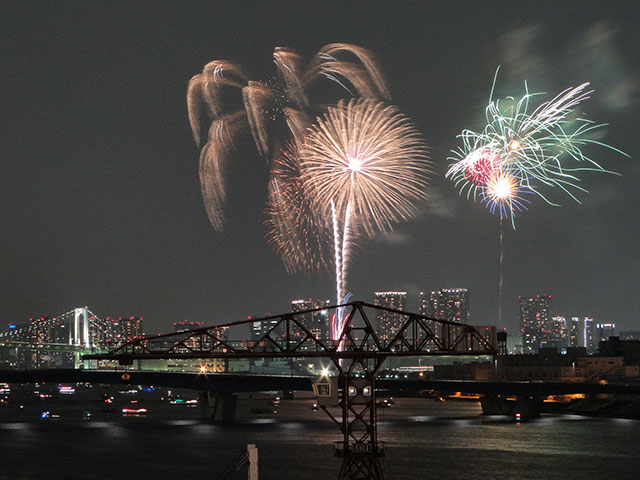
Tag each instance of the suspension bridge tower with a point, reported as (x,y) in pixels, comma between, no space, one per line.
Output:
(79,334)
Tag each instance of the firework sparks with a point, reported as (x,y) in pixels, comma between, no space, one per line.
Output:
(298,236)
(355,171)
(365,155)
(501,192)
(519,152)
(363,166)
(222,102)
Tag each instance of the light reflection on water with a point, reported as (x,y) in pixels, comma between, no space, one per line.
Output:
(15,426)
(423,418)
(97,424)
(423,440)
(182,423)
(262,421)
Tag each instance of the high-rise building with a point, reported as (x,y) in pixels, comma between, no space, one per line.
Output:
(554,334)
(46,330)
(99,331)
(197,342)
(590,337)
(259,328)
(535,321)
(575,333)
(488,332)
(193,343)
(423,304)
(130,328)
(582,332)
(317,322)
(605,330)
(425,308)
(388,322)
(450,304)
(186,325)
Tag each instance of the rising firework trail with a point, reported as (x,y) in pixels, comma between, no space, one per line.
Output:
(364,168)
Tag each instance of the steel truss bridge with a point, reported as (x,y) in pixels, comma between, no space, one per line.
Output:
(357,355)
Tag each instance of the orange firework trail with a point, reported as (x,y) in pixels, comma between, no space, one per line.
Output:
(297,235)
(223,102)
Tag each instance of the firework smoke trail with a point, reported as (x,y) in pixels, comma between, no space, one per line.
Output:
(501,273)
(519,153)
(338,322)
(337,258)
(345,247)
(341,258)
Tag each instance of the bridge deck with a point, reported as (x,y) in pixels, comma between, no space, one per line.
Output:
(236,383)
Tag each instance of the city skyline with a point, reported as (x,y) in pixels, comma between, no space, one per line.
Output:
(101,178)
(451,304)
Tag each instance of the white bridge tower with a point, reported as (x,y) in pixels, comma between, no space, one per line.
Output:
(79,334)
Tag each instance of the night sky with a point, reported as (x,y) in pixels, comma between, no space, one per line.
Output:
(100,188)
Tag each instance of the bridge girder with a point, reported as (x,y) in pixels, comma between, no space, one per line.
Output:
(290,337)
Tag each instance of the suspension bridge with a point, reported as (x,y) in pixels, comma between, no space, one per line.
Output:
(40,340)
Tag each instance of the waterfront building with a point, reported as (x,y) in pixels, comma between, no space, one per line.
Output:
(605,330)
(535,321)
(617,346)
(388,322)
(450,304)
(574,332)
(600,367)
(547,365)
(130,328)
(554,334)
(259,327)
(590,337)
(317,322)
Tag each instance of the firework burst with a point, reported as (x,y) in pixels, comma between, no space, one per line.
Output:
(223,102)
(364,168)
(298,236)
(366,157)
(521,152)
